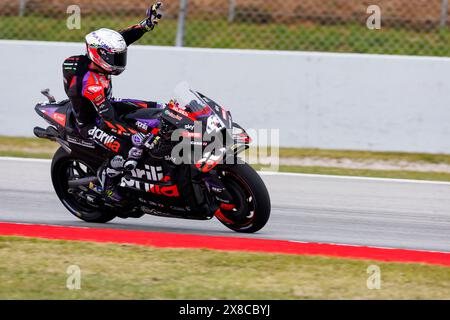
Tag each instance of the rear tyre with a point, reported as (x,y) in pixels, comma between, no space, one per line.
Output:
(250,196)
(67,166)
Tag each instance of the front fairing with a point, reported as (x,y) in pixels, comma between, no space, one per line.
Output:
(190,106)
(204,122)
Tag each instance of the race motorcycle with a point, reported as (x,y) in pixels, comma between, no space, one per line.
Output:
(213,183)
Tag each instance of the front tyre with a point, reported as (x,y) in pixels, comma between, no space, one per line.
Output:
(67,166)
(250,196)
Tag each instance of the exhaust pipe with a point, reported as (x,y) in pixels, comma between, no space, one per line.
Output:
(82,182)
(52,134)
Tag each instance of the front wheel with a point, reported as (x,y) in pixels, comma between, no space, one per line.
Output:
(67,167)
(250,196)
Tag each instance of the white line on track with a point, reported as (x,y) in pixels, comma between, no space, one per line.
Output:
(273,173)
(25,159)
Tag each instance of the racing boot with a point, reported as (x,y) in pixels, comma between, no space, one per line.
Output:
(109,176)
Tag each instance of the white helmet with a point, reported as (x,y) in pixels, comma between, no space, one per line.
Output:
(108,50)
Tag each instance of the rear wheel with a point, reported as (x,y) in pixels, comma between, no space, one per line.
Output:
(66,167)
(250,196)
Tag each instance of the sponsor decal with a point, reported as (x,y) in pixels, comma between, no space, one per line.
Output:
(99,98)
(150,173)
(94,89)
(80,142)
(135,153)
(170,158)
(187,134)
(137,139)
(179,110)
(149,202)
(141,125)
(189,127)
(213,124)
(173,115)
(59,118)
(198,143)
(168,191)
(206,111)
(107,140)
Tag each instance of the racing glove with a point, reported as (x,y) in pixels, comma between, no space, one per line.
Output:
(153,17)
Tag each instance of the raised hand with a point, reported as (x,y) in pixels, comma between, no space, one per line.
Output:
(153,16)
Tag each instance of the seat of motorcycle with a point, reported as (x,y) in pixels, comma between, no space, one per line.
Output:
(148,113)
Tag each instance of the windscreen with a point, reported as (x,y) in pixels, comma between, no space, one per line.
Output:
(188,98)
(202,108)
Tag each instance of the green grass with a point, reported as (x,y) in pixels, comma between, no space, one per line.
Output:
(41,148)
(390,174)
(365,155)
(217,33)
(36,269)
(27,147)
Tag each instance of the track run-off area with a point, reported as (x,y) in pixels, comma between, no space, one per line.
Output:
(380,219)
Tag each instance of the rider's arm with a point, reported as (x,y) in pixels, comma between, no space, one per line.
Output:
(96,95)
(132,33)
(135,32)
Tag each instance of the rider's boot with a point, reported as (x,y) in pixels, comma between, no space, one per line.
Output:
(109,176)
(111,173)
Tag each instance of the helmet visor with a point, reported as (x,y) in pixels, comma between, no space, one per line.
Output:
(114,59)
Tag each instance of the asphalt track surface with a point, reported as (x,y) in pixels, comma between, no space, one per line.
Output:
(307,208)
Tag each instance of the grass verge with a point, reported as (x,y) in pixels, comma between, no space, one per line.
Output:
(36,269)
(389,174)
(27,147)
(365,155)
(41,148)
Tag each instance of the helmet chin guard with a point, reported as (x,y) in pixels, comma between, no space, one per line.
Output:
(108,50)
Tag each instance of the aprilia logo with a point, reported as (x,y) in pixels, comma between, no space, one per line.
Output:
(152,174)
(142,125)
(107,140)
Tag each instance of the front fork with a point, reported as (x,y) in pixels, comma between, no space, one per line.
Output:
(220,194)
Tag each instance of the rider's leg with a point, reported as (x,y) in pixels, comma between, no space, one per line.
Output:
(124,106)
(109,175)
(110,172)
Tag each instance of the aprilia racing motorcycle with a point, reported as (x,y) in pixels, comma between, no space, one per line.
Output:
(215,183)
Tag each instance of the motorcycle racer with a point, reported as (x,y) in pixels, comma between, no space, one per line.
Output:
(87,82)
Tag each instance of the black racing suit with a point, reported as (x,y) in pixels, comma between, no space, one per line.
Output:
(97,113)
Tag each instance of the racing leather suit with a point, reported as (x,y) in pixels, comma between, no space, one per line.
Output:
(97,113)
